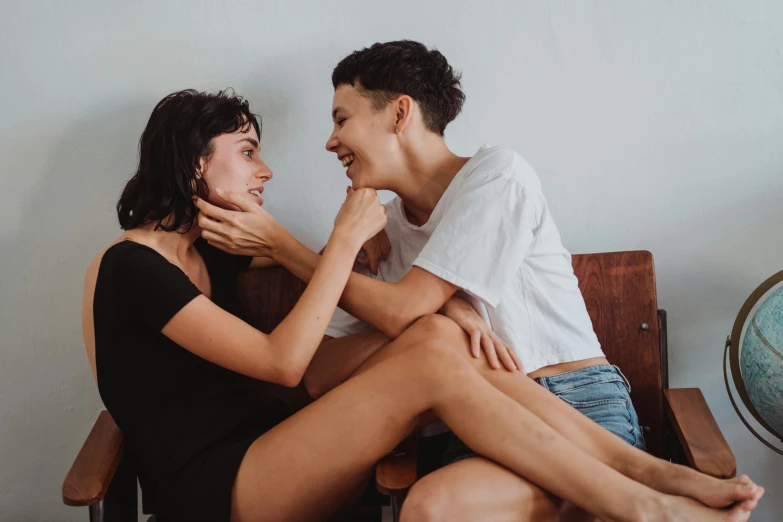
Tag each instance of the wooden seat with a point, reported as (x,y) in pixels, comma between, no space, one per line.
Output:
(620,293)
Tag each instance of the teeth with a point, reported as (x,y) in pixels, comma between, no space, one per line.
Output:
(255,193)
(348,160)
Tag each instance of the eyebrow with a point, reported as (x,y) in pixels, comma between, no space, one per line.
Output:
(335,111)
(250,141)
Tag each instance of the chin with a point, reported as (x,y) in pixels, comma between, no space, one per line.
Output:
(358,182)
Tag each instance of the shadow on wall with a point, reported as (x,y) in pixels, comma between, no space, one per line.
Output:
(50,399)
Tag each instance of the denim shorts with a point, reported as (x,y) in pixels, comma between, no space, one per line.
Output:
(600,392)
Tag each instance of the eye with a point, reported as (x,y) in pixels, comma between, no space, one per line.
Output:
(340,122)
(248,153)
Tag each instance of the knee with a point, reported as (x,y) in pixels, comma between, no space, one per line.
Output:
(541,505)
(439,326)
(426,504)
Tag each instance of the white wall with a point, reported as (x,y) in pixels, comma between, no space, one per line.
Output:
(655,125)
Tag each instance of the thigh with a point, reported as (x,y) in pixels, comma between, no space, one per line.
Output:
(306,467)
(478,489)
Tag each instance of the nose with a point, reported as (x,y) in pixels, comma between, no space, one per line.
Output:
(265,173)
(332,143)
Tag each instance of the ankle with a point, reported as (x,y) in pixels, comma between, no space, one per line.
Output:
(642,507)
(650,508)
(667,477)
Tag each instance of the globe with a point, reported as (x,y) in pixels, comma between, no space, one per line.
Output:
(755,353)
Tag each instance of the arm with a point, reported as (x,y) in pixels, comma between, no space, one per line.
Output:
(282,356)
(389,307)
(263,262)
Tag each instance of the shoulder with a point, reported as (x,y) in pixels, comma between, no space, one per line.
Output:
(128,256)
(502,165)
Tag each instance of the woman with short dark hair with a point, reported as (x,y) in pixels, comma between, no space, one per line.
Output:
(480,226)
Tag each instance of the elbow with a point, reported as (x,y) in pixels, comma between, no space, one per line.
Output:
(290,380)
(396,323)
(315,388)
(290,376)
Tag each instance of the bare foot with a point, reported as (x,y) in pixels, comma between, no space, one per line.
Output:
(681,509)
(710,491)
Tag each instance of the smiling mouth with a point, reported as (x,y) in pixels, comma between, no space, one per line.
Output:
(347,160)
(255,193)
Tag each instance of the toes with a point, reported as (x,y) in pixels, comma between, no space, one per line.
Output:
(744,491)
(738,514)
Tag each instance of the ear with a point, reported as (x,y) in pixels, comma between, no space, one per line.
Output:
(202,167)
(404,108)
(203,163)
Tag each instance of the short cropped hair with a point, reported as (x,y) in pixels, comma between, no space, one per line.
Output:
(385,71)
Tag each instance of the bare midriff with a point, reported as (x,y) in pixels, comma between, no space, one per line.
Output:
(554,369)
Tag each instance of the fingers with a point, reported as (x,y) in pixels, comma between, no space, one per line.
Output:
(208,209)
(368,261)
(373,255)
(243,201)
(506,353)
(385,244)
(216,240)
(475,343)
(516,359)
(489,350)
(207,224)
(503,353)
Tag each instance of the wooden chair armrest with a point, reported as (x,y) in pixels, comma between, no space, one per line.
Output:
(396,472)
(702,441)
(94,467)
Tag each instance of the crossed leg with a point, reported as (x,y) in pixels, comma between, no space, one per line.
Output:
(306,466)
(478,489)
(458,490)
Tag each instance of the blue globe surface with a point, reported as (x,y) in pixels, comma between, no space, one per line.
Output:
(761,360)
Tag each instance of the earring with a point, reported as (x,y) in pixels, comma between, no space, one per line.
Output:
(398,130)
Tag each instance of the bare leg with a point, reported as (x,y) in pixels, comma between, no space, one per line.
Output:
(478,489)
(591,438)
(306,466)
(336,359)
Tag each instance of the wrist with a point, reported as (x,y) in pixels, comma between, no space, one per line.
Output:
(445,308)
(343,241)
(278,243)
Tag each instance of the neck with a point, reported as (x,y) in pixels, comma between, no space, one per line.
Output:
(429,169)
(173,245)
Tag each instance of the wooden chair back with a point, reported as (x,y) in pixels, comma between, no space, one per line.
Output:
(618,288)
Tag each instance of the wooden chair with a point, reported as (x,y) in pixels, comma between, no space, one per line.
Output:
(619,289)
(620,293)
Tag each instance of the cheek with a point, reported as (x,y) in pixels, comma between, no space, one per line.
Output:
(227,176)
(219,202)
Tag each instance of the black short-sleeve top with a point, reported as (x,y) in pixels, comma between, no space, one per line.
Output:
(170,404)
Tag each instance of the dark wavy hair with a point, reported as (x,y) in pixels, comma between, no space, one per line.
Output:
(177,136)
(385,71)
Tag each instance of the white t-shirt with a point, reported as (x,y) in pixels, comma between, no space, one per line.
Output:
(492,235)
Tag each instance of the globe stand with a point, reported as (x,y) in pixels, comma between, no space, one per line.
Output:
(732,353)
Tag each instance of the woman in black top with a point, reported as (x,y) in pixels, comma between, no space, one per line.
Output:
(173,358)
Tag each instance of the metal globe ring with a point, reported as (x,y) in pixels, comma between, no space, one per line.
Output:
(732,352)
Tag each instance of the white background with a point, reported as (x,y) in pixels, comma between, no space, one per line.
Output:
(653,125)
